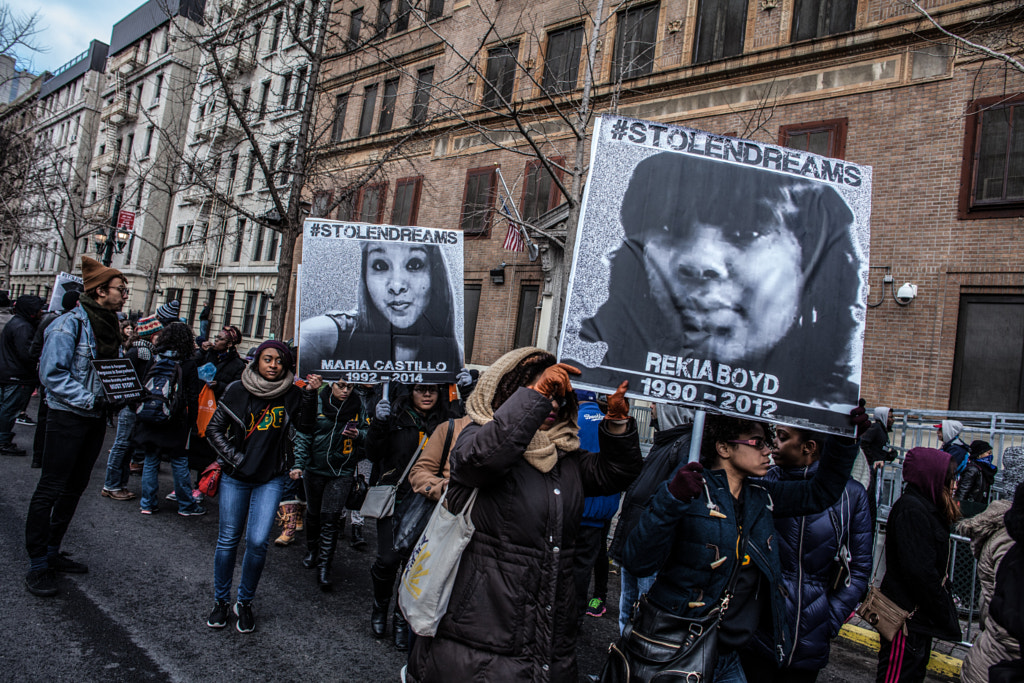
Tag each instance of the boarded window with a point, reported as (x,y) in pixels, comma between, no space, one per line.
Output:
(988,365)
(720,29)
(562,63)
(635,37)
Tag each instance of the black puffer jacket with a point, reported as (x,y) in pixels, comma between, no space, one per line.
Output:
(229,368)
(238,410)
(917,556)
(512,614)
(808,545)
(17,365)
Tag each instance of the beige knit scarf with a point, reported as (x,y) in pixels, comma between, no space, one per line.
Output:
(261,387)
(545,446)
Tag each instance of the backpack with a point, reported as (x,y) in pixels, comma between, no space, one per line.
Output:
(162,399)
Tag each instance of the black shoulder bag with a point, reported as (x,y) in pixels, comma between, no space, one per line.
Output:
(661,646)
(414,512)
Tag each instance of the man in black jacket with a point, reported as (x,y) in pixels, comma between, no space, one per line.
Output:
(17,368)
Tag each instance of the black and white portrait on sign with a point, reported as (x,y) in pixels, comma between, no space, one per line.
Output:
(721,273)
(380,302)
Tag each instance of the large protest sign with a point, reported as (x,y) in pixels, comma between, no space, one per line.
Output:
(720,273)
(64,283)
(380,302)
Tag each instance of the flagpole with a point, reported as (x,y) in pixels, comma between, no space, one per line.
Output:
(519,219)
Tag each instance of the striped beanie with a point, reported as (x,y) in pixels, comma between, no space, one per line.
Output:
(148,326)
(169,312)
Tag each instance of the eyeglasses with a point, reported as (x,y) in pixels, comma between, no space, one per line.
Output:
(124,290)
(758,443)
(425,390)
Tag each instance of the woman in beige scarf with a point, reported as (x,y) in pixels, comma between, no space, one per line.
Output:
(512,613)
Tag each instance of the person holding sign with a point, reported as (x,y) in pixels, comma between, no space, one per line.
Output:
(76,423)
(513,612)
(252,432)
(406,312)
(710,536)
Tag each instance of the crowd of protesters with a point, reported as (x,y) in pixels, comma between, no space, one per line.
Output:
(766,542)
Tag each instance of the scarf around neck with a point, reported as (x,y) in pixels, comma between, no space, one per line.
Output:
(542,451)
(261,387)
(104,326)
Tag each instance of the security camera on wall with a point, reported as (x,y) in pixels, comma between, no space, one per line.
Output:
(906,293)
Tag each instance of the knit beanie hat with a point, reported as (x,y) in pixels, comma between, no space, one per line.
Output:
(169,312)
(979,448)
(148,326)
(95,273)
(280,347)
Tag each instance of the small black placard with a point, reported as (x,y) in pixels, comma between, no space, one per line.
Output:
(119,379)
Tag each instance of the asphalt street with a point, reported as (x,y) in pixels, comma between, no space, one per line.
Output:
(140,612)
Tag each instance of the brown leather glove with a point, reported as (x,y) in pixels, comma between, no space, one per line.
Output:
(554,381)
(618,406)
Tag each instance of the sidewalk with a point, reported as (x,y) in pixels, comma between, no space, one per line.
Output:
(946,659)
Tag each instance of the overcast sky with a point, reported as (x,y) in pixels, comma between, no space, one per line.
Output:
(68,26)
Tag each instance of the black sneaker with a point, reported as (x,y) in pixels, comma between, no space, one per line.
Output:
(219,615)
(62,563)
(246,620)
(11,449)
(41,582)
(24,419)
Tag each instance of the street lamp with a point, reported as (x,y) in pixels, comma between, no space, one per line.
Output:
(110,242)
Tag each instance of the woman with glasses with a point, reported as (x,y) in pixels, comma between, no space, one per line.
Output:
(394,438)
(715,518)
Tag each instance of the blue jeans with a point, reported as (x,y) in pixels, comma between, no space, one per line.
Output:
(117,461)
(13,399)
(728,669)
(632,589)
(151,481)
(249,508)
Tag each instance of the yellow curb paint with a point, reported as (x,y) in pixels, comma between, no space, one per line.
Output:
(938,663)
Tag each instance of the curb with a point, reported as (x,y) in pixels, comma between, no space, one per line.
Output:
(938,663)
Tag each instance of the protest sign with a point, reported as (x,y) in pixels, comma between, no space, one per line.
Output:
(117,375)
(720,273)
(380,302)
(64,283)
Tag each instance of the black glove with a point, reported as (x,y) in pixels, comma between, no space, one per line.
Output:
(859,418)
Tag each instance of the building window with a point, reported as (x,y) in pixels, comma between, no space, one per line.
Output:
(635,38)
(275,150)
(286,88)
(402,16)
(988,363)
(193,306)
(383,16)
(993,170)
(275,37)
(562,63)
(370,203)
(338,127)
(300,88)
(249,312)
(472,308)
(236,254)
(824,138)
(820,18)
(720,29)
(261,318)
(285,167)
(250,173)
(345,206)
(407,201)
(526,316)
(148,146)
(540,193)
(257,247)
(421,98)
(264,96)
(478,201)
(435,9)
(158,91)
(501,74)
(366,117)
(355,27)
(229,306)
(271,245)
(387,105)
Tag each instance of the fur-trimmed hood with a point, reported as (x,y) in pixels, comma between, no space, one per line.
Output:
(982,526)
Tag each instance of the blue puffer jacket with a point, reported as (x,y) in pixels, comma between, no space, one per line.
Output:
(685,542)
(807,548)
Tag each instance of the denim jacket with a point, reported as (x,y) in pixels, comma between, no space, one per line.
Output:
(65,367)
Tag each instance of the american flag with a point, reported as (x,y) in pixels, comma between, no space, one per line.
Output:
(514,239)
